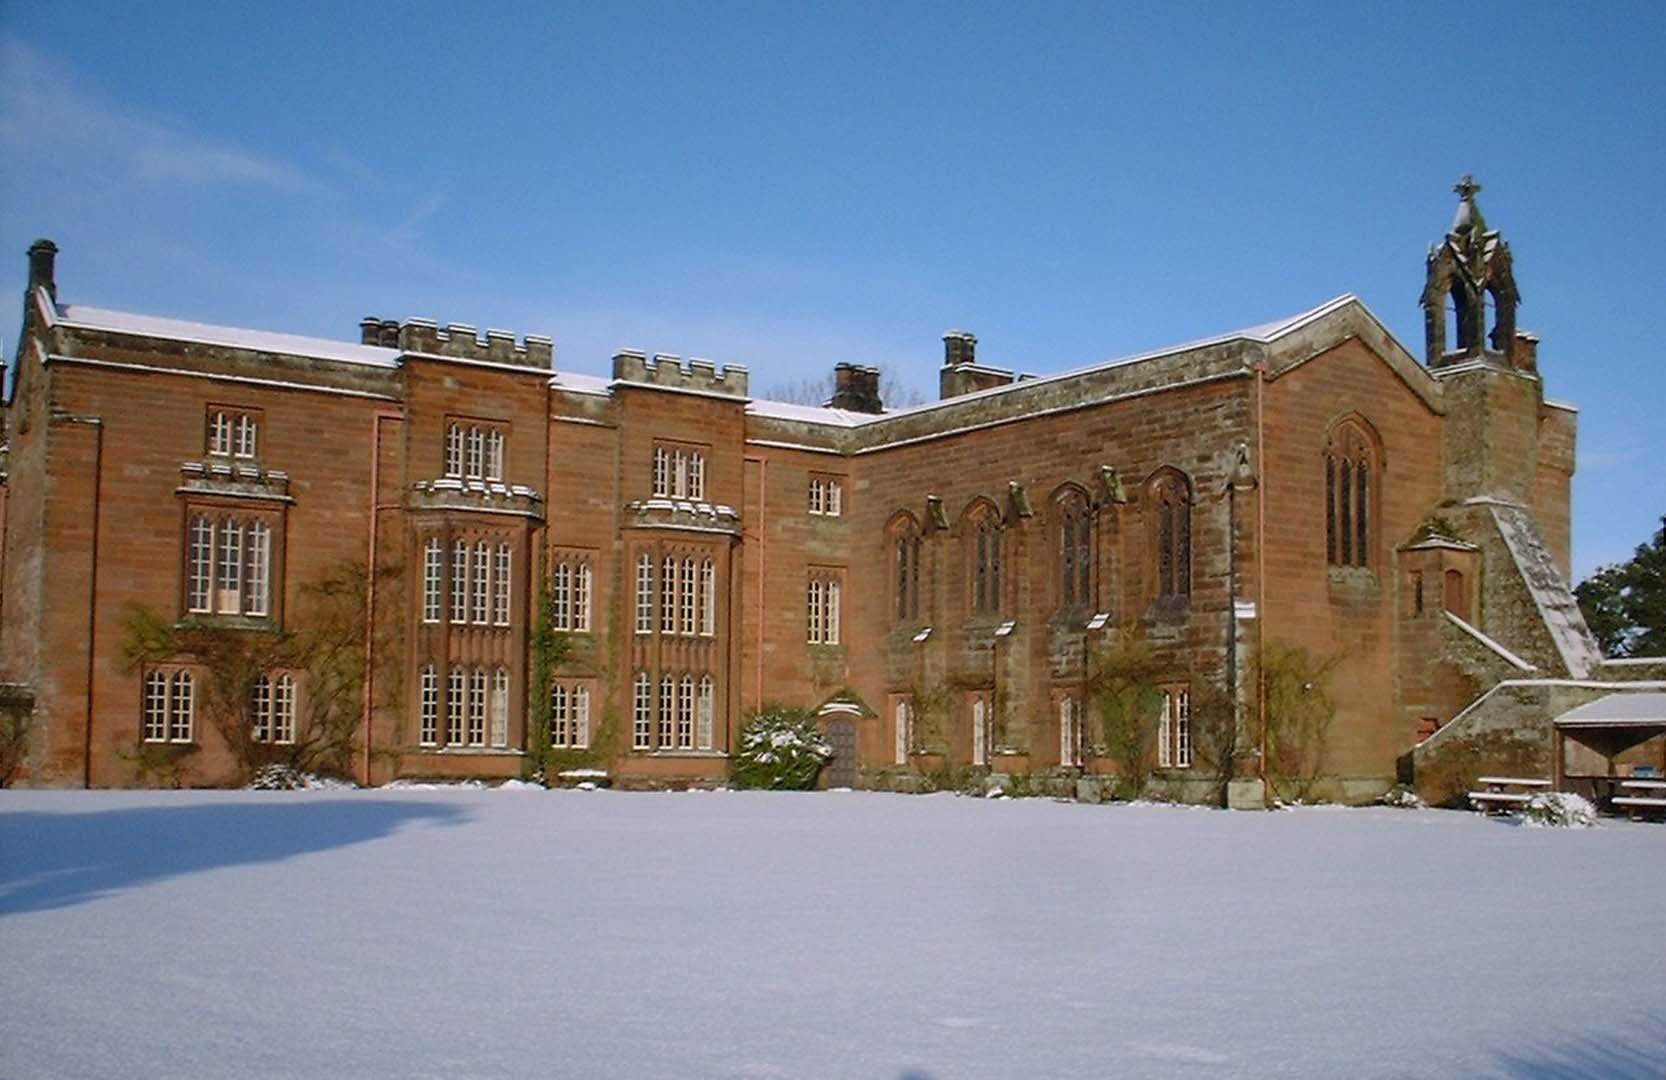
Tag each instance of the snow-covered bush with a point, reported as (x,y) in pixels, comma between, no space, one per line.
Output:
(1559,809)
(782,749)
(1403,797)
(277,777)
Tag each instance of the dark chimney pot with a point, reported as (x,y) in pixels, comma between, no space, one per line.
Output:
(959,347)
(42,254)
(390,333)
(370,330)
(856,389)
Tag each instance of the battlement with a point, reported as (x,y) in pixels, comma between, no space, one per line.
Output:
(459,340)
(671,372)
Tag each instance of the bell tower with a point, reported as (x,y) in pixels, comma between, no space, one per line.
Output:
(1471,270)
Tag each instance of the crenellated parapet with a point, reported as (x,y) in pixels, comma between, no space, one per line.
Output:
(459,340)
(671,372)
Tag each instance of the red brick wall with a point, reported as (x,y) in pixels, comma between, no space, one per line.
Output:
(1346,613)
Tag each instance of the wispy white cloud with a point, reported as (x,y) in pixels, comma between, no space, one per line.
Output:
(1596,459)
(46,114)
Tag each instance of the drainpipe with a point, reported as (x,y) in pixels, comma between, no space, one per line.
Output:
(763,548)
(376,507)
(92,594)
(1262,471)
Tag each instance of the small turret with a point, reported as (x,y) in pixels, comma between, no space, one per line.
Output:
(1470,268)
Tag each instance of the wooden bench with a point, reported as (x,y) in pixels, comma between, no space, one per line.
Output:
(1650,800)
(1499,799)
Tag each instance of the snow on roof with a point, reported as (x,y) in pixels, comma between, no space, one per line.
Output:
(1642,709)
(811,414)
(580,383)
(1262,333)
(80,316)
(1551,595)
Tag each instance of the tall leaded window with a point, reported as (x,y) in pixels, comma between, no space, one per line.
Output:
(644,593)
(480,573)
(696,486)
(685,714)
(501,582)
(561,731)
(1350,471)
(1073,540)
(154,707)
(581,716)
(1171,501)
(228,568)
(1174,729)
(581,597)
(455,705)
(244,442)
(433,579)
(561,596)
(474,451)
(708,599)
(679,472)
(1070,732)
(688,593)
(228,565)
(823,615)
(428,729)
(704,719)
(454,451)
(232,432)
(984,540)
(476,734)
(200,569)
(272,708)
(219,433)
(905,565)
(827,496)
(667,710)
(500,707)
(459,581)
(642,712)
(668,595)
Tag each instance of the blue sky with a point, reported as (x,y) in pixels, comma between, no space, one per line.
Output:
(791,186)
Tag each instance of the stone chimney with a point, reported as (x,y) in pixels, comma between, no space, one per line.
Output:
(43,255)
(959,348)
(1525,354)
(961,373)
(856,389)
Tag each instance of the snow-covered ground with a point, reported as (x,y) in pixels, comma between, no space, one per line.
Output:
(480,933)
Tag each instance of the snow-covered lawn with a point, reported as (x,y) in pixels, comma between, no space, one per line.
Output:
(479,933)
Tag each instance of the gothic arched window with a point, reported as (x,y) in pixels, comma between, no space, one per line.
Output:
(982,534)
(1073,549)
(903,543)
(1171,499)
(1350,493)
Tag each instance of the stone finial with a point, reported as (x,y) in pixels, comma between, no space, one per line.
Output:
(1110,485)
(1469,217)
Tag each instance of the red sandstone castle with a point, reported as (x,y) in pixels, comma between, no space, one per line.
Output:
(697,552)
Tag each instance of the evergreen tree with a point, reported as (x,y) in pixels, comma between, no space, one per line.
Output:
(1625,604)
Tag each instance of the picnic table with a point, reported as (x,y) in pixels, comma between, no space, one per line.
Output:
(1506,793)
(1650,797)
